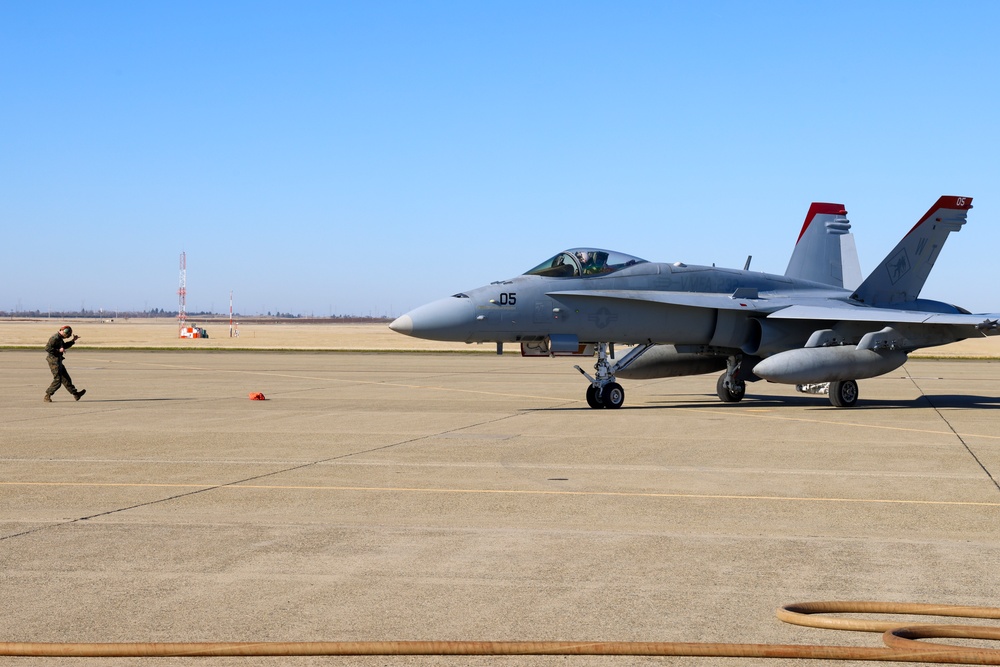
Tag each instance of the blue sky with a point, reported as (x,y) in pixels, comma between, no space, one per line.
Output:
(367,157)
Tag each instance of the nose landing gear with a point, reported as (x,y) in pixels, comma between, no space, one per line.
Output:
(604,391)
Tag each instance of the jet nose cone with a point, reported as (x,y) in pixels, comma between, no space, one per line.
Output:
(402,324)
(445,319)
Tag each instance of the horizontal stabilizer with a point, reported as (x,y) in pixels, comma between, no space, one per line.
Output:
(838,312)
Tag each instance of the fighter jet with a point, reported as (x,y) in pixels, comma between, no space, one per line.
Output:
(818,326)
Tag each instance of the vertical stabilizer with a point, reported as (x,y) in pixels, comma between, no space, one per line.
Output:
(851,264)
(902,274)
(819,253)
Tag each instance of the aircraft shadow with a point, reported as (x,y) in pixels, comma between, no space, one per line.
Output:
(960,401)
(135,400)
(820,402)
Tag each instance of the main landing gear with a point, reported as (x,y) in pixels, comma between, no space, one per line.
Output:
(843,393)
(604,391)
(731,388)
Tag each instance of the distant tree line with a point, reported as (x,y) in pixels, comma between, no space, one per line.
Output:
(87,313)
(160,313)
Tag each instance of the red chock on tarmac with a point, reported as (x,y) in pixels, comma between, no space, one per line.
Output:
(257,396)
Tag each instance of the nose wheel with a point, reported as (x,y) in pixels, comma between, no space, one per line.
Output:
(610,396)
(613,395)
(593,400)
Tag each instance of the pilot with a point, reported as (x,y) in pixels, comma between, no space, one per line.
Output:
(55,348)
(593,262)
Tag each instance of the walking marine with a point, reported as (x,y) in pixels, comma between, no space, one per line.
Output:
(55,348)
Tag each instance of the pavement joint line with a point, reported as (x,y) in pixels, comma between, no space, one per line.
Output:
(964,444)
(525,492)
(201,488)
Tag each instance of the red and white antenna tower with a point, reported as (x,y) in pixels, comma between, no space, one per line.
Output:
(182,296)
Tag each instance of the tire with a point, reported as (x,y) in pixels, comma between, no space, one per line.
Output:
(613,395)
(732,393)
(592,399)
(844,394)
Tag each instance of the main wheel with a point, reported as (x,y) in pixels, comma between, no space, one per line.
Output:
(592,399)
(732,392)
(844,394)
(613,395)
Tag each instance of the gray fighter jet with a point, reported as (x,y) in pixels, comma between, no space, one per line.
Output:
(817,326)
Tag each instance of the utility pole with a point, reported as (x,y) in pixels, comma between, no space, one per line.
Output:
(182,296)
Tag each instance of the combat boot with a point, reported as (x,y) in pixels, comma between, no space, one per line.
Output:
(47,399)
(78,395)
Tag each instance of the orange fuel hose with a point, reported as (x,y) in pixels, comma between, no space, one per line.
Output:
(901,642)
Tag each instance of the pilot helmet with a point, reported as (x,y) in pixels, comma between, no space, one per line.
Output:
(66,330)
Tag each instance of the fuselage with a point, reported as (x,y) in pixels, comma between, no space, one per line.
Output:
(533,307)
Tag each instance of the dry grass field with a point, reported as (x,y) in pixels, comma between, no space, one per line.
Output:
(290,335)
(162,333)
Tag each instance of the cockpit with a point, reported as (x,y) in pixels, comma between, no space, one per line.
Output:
(584,262)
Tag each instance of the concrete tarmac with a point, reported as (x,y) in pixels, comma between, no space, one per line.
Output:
(476,497)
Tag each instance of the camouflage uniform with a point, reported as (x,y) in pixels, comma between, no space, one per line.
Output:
(60,376)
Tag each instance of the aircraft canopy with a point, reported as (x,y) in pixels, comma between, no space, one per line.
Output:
(583,262)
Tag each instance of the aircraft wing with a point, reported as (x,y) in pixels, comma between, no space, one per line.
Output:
(745,300)
(780,309)
(840,312)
